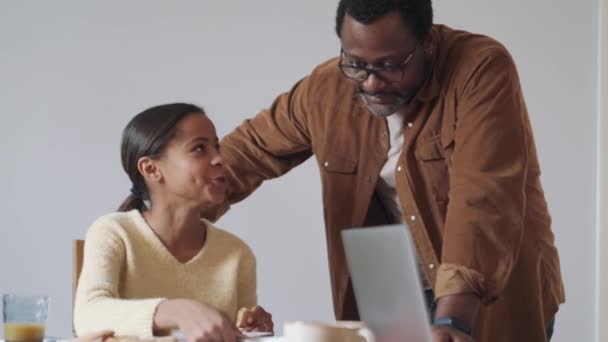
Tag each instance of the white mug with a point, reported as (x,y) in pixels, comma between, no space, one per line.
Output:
(339,331)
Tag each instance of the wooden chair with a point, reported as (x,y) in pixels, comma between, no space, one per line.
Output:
(77,256)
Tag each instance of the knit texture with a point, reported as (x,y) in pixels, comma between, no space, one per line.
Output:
(127,272)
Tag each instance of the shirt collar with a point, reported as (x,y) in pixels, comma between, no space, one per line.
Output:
(430,88)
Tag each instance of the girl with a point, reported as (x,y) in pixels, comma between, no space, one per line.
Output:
(155,265)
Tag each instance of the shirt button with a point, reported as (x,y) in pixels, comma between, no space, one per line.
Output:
(410,124)
(431,266)
(399,168)
(326,164)
(413,218)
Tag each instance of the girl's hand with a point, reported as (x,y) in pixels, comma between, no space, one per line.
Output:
(255,319)
(198,322)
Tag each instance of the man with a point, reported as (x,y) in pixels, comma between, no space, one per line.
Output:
(422,124)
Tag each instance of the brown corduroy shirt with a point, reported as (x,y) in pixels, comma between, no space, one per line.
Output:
(468,179)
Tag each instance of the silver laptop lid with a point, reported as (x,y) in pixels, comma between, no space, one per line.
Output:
(386,282)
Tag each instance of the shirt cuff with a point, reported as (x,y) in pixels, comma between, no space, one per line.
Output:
(456,279)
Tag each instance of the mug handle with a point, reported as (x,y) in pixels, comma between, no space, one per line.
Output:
(366,334)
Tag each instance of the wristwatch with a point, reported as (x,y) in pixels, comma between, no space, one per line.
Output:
(454,323)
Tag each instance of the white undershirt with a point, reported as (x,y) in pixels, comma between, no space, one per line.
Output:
(387,185)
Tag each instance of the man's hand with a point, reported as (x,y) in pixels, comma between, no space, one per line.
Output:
(256,319)
(442,333)
(463,307)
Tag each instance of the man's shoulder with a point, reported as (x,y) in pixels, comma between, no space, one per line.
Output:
(326,87)
(327,73)
(459,54)
(467,43)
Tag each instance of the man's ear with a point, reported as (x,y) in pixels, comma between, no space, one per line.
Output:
(149,169)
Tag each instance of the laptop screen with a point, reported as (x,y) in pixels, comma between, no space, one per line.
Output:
(386,282)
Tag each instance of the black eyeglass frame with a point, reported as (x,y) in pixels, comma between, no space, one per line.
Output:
(377,71)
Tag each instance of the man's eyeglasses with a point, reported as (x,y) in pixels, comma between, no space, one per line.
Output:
(388,73)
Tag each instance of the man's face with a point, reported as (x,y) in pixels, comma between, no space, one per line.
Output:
(387,46)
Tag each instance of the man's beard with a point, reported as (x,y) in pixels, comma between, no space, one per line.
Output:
(401,100)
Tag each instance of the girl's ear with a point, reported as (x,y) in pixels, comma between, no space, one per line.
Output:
(149,169)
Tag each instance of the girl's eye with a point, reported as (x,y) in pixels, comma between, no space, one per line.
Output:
(199,148)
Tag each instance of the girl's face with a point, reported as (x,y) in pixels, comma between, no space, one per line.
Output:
(190,168)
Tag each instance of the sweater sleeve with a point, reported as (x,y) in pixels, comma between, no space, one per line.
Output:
(98,305)
(247,281)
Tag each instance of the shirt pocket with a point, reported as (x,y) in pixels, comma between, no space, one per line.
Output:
(433,167)
(429,149)
(339,178)
(336,163)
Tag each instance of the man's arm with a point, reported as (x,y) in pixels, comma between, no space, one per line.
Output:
(266,146)
(484,223)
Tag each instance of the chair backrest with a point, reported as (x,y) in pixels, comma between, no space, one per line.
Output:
(77,256)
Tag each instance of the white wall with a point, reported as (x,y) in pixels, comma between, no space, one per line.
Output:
(602,213)
(73,73)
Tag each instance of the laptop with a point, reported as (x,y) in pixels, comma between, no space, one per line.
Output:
(386,282)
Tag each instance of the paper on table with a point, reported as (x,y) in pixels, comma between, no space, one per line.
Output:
(265,339)
(251,336)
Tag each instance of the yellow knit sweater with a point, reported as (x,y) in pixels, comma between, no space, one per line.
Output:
(127,272)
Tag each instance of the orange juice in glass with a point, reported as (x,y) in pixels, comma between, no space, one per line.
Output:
(24,317)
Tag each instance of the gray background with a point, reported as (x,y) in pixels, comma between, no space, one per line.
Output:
(602,215)
(72,73)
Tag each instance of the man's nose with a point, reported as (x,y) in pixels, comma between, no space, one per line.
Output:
(373,84)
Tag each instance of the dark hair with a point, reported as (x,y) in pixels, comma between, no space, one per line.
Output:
(416,14)
(145,136)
